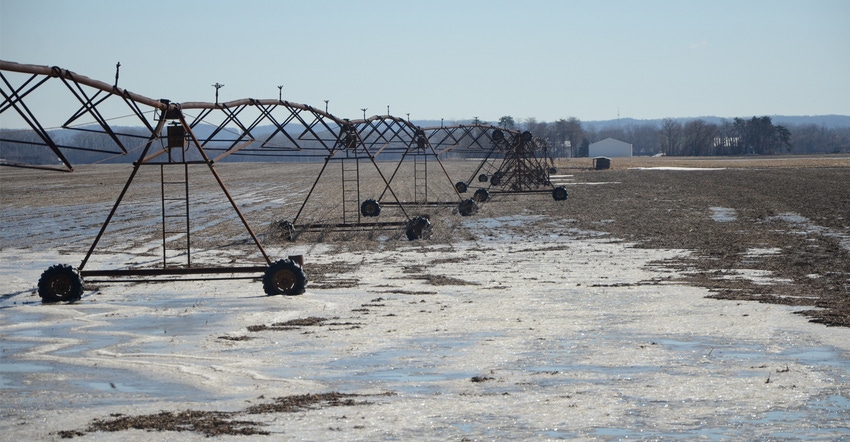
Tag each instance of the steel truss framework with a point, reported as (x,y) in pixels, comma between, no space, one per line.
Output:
(360,178)
(176,135)
(404,151)
(348,148)
(511,161)
(401,141)
(240,128)
(169,140)
(304,133)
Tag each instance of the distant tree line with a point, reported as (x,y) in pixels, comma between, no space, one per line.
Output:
(566,138)
(696,137)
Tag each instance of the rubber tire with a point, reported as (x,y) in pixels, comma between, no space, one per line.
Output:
(481,196)
(60,282)
(498,135)
(284,277)
(482,178)
(461,187)
(559,193)
(370,208)
(287,230)
(496,179)
(418,228)
(467,207)
(526,136)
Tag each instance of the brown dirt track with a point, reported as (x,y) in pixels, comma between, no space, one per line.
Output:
(671,209)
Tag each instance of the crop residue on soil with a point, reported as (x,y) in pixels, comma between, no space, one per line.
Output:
(587,319)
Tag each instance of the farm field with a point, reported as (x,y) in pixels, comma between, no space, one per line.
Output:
(666,298)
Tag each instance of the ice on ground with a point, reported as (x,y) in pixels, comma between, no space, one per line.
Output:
(723,214)
(807,225)
(568,336)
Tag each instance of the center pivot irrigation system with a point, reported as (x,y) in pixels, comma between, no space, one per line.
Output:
(169,144)
(176,139)
(365,187)
(511,162)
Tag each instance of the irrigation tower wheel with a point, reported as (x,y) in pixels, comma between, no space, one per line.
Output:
(370,208)
(286,230)
(467,207)
(559,193)
(418,228)
(481,196)
(284,277)
(60,283)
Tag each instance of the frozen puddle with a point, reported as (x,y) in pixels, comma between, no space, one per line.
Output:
(723,214)
(516,335)
(801,222)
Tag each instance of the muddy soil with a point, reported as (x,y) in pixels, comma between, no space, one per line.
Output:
(787,218)
(784,220)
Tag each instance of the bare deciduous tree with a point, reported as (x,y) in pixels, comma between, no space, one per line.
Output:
(698,138)
(671,136)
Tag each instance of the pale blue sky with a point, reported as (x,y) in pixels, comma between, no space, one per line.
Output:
(459,59)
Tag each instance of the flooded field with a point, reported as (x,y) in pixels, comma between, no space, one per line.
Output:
(533,319)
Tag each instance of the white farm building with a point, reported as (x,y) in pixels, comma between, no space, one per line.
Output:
(610,148)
